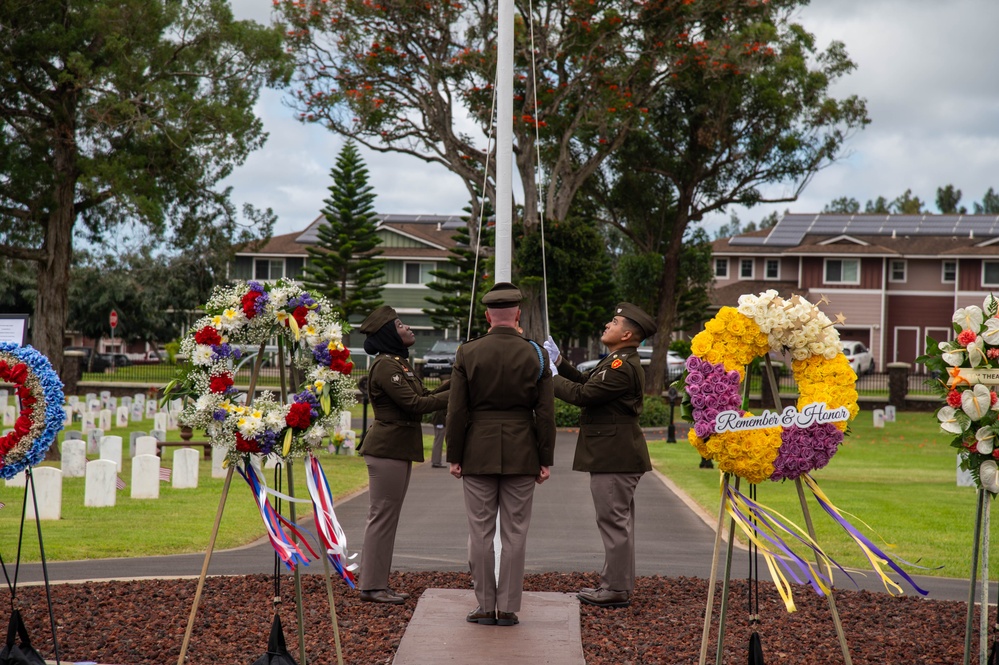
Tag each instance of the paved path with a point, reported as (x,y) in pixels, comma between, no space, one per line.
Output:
(673,538)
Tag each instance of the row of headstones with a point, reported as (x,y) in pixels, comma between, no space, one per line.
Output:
(102,480)
(97,410)
(94,412)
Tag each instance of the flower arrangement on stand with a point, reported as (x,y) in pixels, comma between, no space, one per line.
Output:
(776,446)
(247,315)
(39,390)
(968,371)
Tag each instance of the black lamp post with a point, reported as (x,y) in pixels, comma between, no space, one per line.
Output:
(671,394)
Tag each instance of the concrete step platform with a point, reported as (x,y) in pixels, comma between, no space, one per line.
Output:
(548,632)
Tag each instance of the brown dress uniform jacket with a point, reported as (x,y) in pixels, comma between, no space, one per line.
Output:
(501,413)
(611,396)
(399,399)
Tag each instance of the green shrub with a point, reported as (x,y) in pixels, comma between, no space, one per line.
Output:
(655,412)
(566,415)
(681,346)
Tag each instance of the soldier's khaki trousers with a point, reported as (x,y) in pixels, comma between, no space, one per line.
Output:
(388,480)
(513,498)
(614,501)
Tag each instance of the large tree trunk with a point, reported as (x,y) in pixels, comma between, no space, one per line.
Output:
(52,303)
(666,318)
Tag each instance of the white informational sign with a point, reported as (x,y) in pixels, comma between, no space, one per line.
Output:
(14,328)
(818,412)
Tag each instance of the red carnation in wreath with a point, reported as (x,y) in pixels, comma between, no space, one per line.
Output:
(246,445)
(220,383)
(249,303)
(300,416)
(208,335)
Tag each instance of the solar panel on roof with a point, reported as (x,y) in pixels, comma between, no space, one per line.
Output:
(791,229)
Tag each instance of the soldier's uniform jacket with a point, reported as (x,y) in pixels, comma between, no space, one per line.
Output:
(399,400)
(501,413)
(611,396)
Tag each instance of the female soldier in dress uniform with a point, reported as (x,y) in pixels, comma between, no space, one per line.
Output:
(393,443)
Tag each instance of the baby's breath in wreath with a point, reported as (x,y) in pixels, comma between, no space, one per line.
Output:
(240,318)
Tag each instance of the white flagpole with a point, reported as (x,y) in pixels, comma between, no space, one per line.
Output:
(504,142)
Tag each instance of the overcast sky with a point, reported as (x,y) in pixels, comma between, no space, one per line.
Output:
(926,68)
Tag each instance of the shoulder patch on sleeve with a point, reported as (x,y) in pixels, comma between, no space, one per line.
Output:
(617,363)
(396,378)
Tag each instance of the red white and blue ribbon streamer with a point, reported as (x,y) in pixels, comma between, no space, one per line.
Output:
(287,550)
(331,535)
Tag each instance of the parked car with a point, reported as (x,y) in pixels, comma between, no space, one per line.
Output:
(119,359)
(674,363)
(438,360)
(860,357)
(87,364)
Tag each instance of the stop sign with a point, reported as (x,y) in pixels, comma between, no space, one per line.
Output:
(114,319)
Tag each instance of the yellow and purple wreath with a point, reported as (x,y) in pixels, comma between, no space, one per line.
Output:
(716,368)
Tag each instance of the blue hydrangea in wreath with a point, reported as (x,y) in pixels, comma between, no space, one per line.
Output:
(39,390)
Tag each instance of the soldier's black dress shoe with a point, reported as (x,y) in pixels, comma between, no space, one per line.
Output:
(605,598)
(481,617)
(506,619)
(381,596)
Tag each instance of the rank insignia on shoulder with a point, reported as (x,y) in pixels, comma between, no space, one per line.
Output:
(396,378)
(617,363)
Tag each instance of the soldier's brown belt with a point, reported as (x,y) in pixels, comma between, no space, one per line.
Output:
(608,420)
(518,414)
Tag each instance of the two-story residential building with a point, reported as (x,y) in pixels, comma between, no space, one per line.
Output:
(412,246)
(896,278)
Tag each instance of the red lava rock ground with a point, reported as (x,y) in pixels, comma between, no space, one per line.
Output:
(133,623)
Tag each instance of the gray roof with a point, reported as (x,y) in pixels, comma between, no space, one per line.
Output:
(791,229)
(310,235)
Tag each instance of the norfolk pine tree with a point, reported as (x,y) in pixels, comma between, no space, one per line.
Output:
(343,265)
(121,111)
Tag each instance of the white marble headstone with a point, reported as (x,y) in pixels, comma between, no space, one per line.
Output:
(94,437)
(111,449)
(74,458)
(145,477)
(105,420)
(185,468)
(160,421)
(47,483)
(145,445)
(100,488)
(88,422)
(879,418)
(121,417)
(218,457)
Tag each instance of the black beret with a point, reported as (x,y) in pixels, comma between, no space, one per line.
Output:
(378,318)
(502,295)
(640,318)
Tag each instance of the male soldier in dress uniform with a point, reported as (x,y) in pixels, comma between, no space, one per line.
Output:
(500,442)
(611,446)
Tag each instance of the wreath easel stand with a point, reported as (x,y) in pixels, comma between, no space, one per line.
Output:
(708,610)
(299,610)
(979,554)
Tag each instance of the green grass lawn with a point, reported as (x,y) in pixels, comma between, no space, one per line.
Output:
(900,480)
(179,521)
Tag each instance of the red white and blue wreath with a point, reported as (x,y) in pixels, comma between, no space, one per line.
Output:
(241,318)
(39,390)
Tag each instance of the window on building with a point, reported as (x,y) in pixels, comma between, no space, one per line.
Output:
(990,273)
(746,268)
(897,270)
(949,275)
(268,268)
(417,273)
(842,271)
(721,268)
(773,269)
